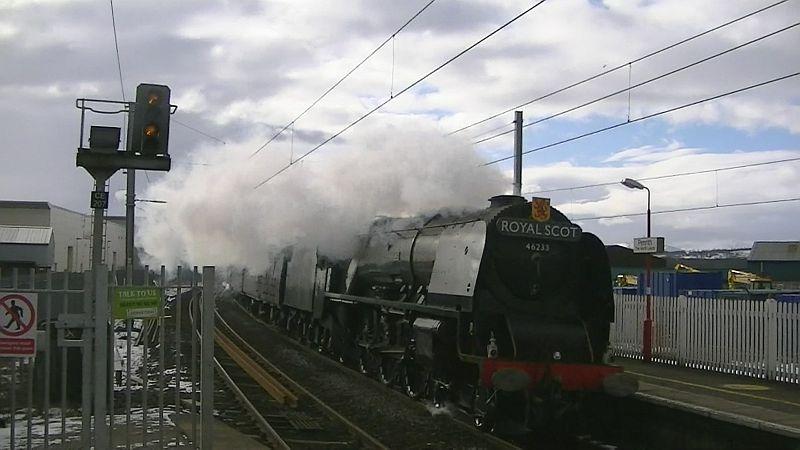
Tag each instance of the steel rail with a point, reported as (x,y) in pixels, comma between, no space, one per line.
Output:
(497,441)
(259,419)
(267,382)
(367,439)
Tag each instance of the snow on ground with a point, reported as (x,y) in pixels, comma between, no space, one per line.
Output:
(74,426)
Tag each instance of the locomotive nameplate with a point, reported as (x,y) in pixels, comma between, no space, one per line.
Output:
(562,231)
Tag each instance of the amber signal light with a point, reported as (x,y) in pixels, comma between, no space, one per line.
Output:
(151,131)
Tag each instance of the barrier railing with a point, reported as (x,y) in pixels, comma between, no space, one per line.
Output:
(744,337)
(140,393)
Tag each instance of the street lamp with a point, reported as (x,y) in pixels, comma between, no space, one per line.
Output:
(647,329)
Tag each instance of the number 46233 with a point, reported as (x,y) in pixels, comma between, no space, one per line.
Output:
(537,247)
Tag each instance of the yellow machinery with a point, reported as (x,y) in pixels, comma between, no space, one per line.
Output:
(625,280)
(683,268)
(738,279)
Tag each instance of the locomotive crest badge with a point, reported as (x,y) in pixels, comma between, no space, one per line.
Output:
(540,209)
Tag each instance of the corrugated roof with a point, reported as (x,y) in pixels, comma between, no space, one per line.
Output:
(10,234)
(775,251)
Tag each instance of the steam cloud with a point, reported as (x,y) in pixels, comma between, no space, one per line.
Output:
(214,216)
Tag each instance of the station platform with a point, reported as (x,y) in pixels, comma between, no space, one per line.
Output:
(769,406)
(224,435)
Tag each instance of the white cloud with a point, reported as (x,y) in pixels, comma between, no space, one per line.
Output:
(727,226)
(238,70)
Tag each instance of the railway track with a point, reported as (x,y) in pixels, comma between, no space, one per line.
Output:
(286,414)
(365,401)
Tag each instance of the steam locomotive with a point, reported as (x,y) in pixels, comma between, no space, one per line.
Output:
(504,311)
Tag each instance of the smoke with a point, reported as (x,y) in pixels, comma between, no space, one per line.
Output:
(215,216)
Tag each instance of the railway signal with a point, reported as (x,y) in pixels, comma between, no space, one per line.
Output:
(150,127)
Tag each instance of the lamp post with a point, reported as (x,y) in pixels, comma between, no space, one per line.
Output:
(647,329)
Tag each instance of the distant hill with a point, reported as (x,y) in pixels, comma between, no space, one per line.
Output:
(716,259)
(725,253)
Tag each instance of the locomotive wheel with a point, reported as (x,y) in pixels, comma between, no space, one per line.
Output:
(484,409)
(388,371)
(415,381)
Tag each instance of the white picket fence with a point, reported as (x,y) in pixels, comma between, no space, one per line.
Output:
(752,338)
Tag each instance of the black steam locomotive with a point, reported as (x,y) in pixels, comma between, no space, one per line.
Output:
(505,311)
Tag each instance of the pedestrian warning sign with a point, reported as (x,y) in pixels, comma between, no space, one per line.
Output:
(137,302)
(17,324)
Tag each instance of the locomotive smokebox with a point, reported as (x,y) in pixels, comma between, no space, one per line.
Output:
(505,200)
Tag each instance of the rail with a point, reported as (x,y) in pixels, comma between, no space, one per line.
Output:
(259,420)
(365,438)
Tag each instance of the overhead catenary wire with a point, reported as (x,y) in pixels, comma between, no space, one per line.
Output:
(199,131)
(694,208)
(401,92)
(507,124)
(648,116)
(122,84)
(346,75)
(620,66)
(661,177)
(642,83)
(116,48)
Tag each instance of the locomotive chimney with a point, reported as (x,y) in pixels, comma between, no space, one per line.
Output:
(505,200)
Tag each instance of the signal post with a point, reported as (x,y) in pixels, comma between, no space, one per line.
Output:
(147,145)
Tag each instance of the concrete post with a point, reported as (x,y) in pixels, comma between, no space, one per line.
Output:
(207,359)
(130,208)
(100,381)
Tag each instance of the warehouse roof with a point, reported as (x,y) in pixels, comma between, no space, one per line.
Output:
(775,251)
(23,204)
(11,234)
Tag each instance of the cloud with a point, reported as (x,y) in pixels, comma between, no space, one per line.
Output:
(240,70)
(650,153)
(705,228)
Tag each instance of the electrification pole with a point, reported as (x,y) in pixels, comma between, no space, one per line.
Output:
(517,152)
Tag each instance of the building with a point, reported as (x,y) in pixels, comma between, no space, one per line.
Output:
(26,247)
(624,261)
(43,235)
(777,260)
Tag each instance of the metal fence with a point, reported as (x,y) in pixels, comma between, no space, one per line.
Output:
(104,383)
(744,337)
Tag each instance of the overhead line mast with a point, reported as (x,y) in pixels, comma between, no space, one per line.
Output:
(649,116)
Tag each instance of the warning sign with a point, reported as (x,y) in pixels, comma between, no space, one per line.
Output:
(17,324)
(137,302)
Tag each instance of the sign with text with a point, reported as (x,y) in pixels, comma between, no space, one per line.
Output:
(511,226)
(17,324)
(137,302)
(99,200)
(648,245)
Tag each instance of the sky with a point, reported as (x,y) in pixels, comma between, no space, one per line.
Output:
(240,71)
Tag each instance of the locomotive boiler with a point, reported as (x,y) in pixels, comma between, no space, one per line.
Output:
(504,311)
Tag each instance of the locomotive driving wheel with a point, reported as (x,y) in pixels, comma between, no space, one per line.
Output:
(369,363)
(389,368)
(415,380)
(484,408)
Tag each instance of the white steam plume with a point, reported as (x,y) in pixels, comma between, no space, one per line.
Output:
(214,216)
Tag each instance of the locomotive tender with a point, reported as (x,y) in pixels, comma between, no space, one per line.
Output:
(505,310)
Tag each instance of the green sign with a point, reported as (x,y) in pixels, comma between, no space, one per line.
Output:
(137,302)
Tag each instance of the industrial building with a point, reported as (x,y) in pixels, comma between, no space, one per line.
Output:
(777,260)
(43,235)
